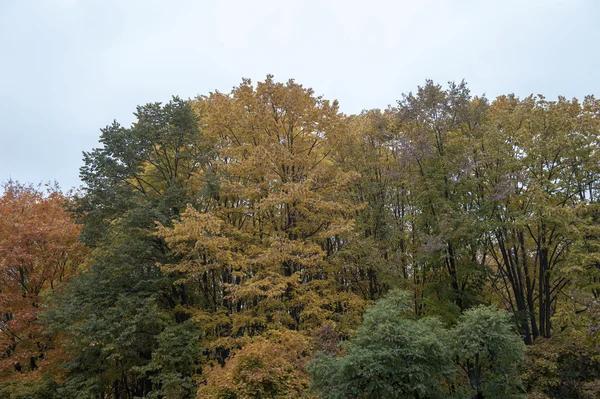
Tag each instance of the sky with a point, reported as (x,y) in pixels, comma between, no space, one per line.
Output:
(69,67)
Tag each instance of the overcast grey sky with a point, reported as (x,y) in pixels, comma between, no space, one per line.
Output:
(70,67)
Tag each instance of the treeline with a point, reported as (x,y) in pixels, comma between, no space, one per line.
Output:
(228,246)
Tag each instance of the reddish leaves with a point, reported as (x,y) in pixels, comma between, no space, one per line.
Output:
(38,250)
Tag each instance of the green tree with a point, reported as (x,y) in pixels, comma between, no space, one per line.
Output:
(123,314)
(541,169)
(488,351)
(378,253)
(437,132)
(393,355)
(562,367)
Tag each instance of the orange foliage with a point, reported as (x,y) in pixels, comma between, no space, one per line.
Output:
(265,368)
(38,250)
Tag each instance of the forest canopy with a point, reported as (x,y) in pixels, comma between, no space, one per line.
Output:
(263,244)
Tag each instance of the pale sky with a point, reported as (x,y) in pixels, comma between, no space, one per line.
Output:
(69,67)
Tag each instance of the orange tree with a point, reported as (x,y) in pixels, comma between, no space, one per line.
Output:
(38,251)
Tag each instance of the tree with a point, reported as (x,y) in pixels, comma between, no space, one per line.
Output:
(393,355)
(378,254)
(436,144)
(228,230)
(541,169)
(123,314)
(488,351)
(39,252)
(562,367)
(150,164)
(261,256)
(263,369)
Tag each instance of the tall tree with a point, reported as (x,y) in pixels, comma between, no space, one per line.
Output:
(435,141)
(262,258)
(39,251)
(541,166)
(123,315)
(379,250)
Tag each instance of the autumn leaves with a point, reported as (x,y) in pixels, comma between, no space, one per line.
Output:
(225,234)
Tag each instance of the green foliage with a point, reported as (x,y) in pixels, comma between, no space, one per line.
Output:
(147,165)
(122,316)
(562,367)
(44,388)
(396,355)
(175,361)
(393,355)
(488,351)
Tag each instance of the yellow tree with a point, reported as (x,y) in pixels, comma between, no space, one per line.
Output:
(266,368)
(262,256)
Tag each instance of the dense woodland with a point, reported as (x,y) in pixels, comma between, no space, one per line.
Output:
(262,244)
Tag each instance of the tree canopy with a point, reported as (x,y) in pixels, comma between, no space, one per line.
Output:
(221,244)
